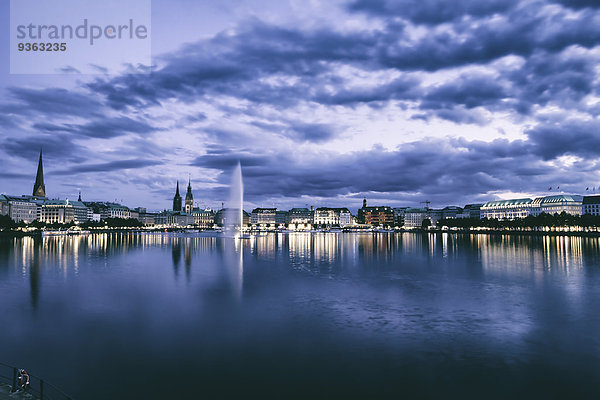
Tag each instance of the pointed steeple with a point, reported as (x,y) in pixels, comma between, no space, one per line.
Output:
(39,189)
(177,199)
(79,199)
(189,198)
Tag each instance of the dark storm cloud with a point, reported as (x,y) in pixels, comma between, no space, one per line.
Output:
(104,128)
(563,79)
(403,88)
(227,63)
(432,167)
(111,127)
(106,167)
(55,146)
(522,32)
(577,4)
(312,132)
(571,137)
(470,91)
(431,11)
(234,64)
(50,101)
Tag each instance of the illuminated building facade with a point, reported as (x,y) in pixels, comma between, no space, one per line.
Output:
(414,217)
(263,216)
(376,216)
(571,204)
(204,218)
(507,209)
(64,212)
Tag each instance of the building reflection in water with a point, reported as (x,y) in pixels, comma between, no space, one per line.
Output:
(34,275)
(187,258)
(176,254)
(323,253)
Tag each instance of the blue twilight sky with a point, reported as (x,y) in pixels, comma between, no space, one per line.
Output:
(323,102)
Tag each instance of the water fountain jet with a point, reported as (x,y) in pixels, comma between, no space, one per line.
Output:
(234,214)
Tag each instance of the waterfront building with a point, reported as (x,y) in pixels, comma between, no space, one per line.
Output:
(451,212)
(221,216)
(39,188)
(263,216)
(177,199)
(189,198)
(376,216)
(109,209)
(470,211)
(174,219)
(23,209)
(521,208)
(414,217)
(142,215)
(591,205)
(399,215)
(434,216)
(325,217)
(507,209)
(329,216)
(571,204)
(148,219)
(299,216)
(204,218)
(300,219)
(346,217)
(281,217)
(3,205)
(63,212)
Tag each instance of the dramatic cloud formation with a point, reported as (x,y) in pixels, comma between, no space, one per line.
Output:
(402,101)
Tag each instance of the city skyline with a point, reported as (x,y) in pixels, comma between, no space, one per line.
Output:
(401,102)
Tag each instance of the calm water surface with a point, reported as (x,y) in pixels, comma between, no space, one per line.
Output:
(158,316)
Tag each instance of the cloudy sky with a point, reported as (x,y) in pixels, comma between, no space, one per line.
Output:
(323,102)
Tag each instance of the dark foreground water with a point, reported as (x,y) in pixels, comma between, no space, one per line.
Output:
(161,316)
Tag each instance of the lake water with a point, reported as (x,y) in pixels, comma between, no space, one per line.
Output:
(324,315)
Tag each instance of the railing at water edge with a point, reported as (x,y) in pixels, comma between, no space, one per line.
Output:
(37,386)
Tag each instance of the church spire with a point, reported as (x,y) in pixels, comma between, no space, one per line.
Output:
(177,199)
(39,189)
(189,198)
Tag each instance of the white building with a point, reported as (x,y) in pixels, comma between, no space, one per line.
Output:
(507,209)
(571,204)
(346,217)
(263,216)
(325,216)
(23,209)
(414,217)
(64,212)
